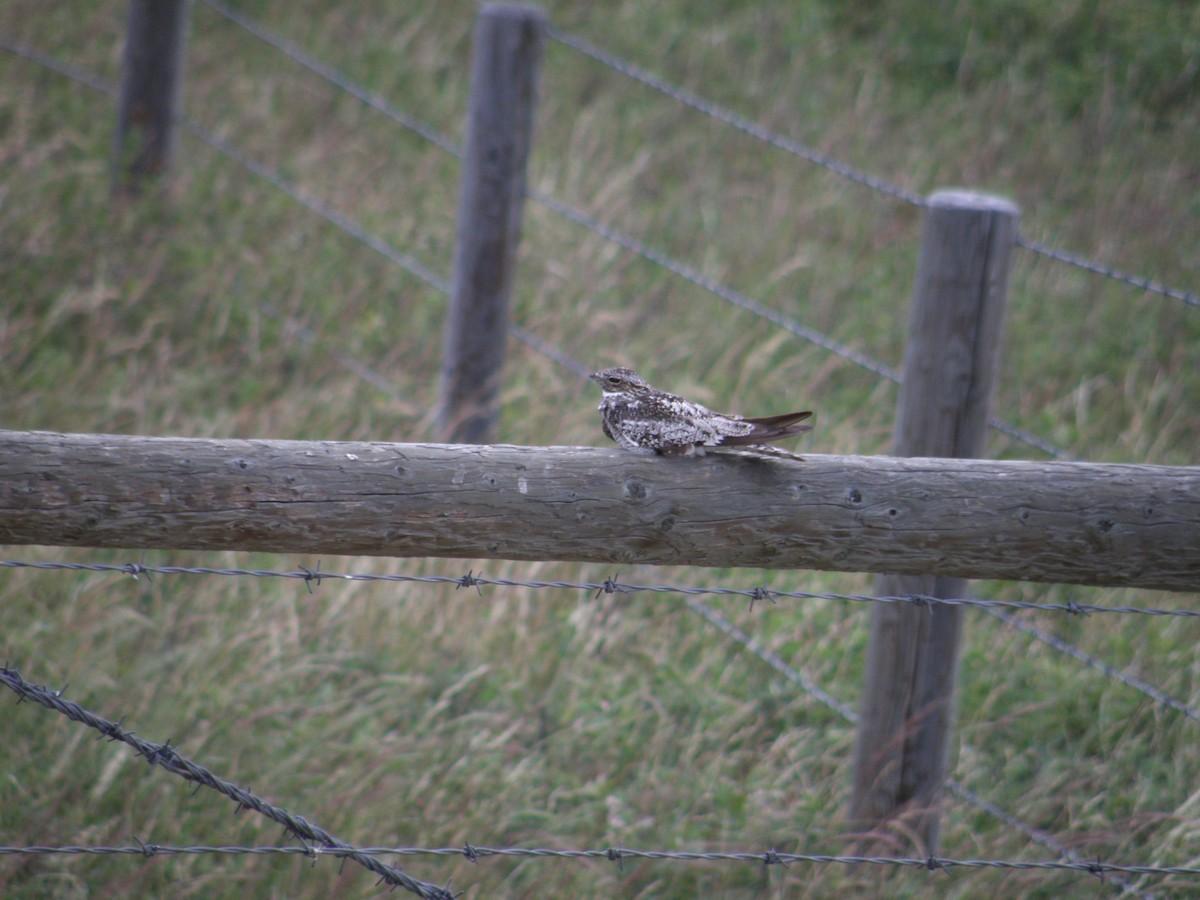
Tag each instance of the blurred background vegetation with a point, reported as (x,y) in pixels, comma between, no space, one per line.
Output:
(426,716)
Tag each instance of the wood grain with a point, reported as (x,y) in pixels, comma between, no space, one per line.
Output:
(1085,523)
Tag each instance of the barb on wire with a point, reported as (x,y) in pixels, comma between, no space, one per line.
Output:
(169,758)
(1071,858)
(610,585)
(475,853)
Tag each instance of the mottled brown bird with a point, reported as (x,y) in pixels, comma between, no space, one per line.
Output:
(643,419)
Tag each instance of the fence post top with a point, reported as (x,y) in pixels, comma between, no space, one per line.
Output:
(960,198)
(519,11)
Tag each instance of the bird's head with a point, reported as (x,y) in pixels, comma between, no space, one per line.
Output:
(620,381)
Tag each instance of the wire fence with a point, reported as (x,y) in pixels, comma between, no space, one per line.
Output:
(724,292)
(690,274)
(314,577)
(473,853)
(954,787)
(324,844)
(169,759)
(317,842)
(727,117)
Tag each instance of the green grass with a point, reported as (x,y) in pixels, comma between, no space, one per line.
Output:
(425,716)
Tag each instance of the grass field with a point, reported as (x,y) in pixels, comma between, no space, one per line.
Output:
(424,716)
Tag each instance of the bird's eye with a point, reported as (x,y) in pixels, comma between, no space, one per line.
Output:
(614,380)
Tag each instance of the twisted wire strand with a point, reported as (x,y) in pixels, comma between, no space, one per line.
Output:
(753,129)
(474,853)
(314,577)
(736,298)
(80,75)
(171,760)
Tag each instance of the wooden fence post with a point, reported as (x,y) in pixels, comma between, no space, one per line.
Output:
(151,86)
(509,40)
(950,362)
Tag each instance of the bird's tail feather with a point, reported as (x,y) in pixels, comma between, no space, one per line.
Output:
(771,428)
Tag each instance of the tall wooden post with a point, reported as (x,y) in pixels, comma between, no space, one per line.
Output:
(950,362)
(509,40)
(151,87)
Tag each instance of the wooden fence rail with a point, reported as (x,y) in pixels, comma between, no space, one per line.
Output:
(1085,523)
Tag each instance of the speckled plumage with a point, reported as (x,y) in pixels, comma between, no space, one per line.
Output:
(643,419)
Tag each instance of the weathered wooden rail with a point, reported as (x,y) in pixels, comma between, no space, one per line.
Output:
(1085,523)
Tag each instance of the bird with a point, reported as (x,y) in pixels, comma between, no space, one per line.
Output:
(645,420)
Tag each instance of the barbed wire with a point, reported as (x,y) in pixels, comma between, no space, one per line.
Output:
(618,854)
(431,134)
(612,586)
(1037,835)
(728,117)
(330,215)
(166,756)
(333,76)
(169,758)
(609,233)
(1107,271)
(771,658)
(1108,669)
(850,715)
(314,577)
(364,372)
(379,103)
(376,243)
(45,60)
(303,333)
(789,324)
(753,129)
